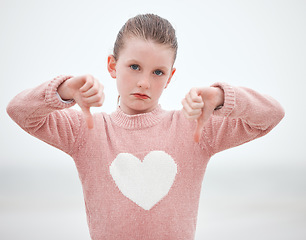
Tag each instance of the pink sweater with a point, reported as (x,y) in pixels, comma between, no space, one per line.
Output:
(142,174)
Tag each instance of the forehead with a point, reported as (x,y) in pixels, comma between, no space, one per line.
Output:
(146,50)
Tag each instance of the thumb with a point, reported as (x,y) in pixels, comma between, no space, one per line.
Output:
(199,128)
(88,117)
(201,121)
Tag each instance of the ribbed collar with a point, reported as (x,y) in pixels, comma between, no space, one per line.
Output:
(142,120)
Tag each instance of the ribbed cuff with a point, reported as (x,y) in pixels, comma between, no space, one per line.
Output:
(51,96)
(229,99)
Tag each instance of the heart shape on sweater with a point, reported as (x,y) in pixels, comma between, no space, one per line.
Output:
(144,182)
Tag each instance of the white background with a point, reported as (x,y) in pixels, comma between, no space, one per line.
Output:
(255,191)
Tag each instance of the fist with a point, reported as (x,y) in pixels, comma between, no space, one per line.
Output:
(87,91)
(199,104)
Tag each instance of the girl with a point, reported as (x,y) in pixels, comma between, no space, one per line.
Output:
(141,167)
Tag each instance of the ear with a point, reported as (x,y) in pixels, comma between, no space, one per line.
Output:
(111,65)
(170,77)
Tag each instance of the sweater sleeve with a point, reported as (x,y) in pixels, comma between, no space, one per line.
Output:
(41,113)
(245,116)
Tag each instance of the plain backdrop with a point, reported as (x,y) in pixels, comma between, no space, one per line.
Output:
(255,191)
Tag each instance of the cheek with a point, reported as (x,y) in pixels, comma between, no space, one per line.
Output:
(121,87)
(124,86)
(164,82)
(159,87)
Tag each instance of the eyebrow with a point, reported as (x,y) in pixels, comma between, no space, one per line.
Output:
(132,60)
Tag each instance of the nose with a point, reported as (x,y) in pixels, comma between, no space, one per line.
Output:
(144,82)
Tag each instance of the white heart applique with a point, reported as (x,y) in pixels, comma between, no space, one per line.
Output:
(147,182)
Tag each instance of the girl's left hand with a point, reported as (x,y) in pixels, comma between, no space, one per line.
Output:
(199,104)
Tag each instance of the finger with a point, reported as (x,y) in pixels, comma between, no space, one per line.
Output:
(90,92)
(201,121)
(189,112)
(186,106)
(195,95)
(199,129)
(88,117)
(88,84)
(93,99)
(191,117)
(192,109)
(96,88)
(191,106)
(194,98)
(194,104)
(99,101)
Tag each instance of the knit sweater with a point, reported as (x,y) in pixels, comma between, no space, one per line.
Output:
(141,174)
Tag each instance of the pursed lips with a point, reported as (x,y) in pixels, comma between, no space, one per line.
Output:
(140,95)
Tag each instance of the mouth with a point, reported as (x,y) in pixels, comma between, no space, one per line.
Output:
(140,95)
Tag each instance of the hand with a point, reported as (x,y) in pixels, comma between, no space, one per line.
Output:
(199,104)
(87,91)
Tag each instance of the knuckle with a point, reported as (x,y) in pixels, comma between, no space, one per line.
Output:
(95,91)
(96,98)
(99,99)
(193,105)
(195,98)
(197,105)
(89,78)
(189,111)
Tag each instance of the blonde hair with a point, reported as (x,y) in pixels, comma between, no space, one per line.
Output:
(147,27)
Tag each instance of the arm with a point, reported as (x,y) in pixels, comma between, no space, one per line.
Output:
(246,115)
(41,113)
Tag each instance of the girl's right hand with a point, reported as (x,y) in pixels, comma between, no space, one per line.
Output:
(86,90)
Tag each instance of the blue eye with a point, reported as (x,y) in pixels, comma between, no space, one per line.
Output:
(134,67)
(158,72)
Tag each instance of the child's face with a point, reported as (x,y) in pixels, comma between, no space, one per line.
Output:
(143,70)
